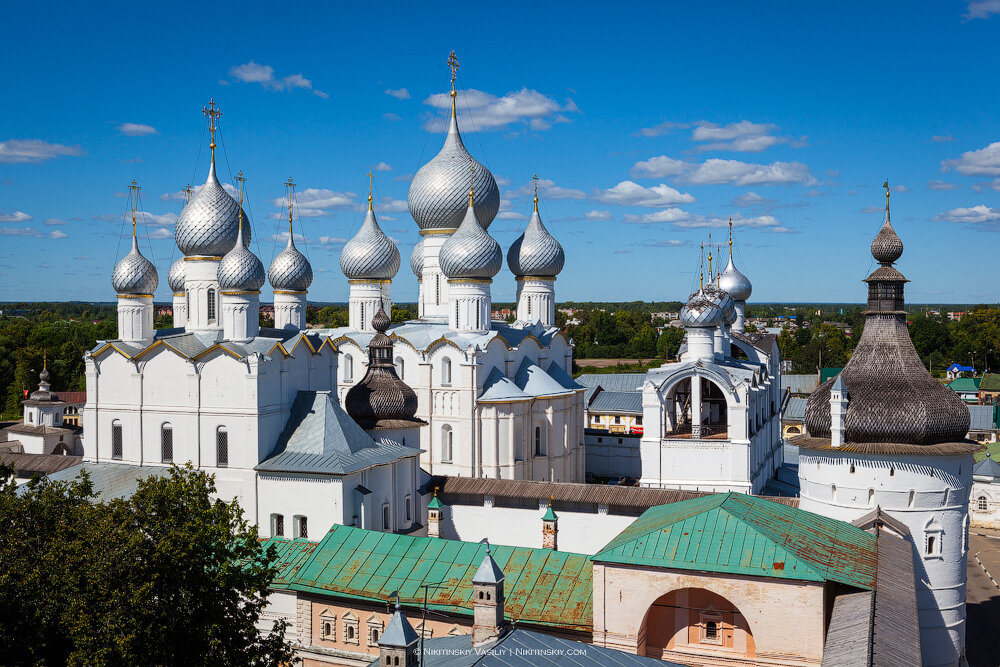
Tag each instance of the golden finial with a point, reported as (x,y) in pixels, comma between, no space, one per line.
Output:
(290,186)
(212,113)
(710,257)
(239,179)
(701,267)
(453,64)
(187,193)
(436,491)
(551,498)
(134,189)
(371,181)
(535,178)
(472,180)
(45,360)
(730,236)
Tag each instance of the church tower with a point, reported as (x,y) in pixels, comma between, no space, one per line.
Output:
(738,285)
(437,200)
(290,276)
(536,258)
(240,277)
(885,434)
(135,281)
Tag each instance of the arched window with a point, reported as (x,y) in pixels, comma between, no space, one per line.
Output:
(362,314)
(479,316)
(529,307)
(167,443)
(456,313)
(446,371)
(187,302)
(539,442)
(348,368)
(221,447)
(277,525)
(211,305)
(300,526)
(399,367)
(931,544)
(982,504)
(446,443)
(31,417)
(116,439)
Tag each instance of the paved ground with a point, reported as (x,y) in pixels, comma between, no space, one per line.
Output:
(983,629)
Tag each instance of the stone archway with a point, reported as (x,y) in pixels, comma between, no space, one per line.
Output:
(692,621)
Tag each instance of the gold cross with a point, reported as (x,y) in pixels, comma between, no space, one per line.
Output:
(535,178)
(290,186)
(212,112)
(187,192)
(472,181)
(371,181)
(134,189)
(886,186)
(453,64)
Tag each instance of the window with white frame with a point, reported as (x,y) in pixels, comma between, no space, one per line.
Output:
(406,505)
(386,518)
(328,625)
(711,629)
(374,629)
(211,306)
(982,504)
(932,539)
(351,634)
(116,439)
(221,447)
(446,443)
(400,366)
(300,526)
(277,525)
(348,368)
(167,443)
(446,370)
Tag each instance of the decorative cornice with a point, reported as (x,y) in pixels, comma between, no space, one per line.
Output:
(521,278)
(369,281)
(470,281)
(432,232)
(203,258)
(239,293)
(281,291)
(135,296)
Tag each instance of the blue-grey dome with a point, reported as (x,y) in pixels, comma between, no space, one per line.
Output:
(536,252)
(370,255)
(417,259)
(701,311)
(134,275)
(733,281)
(290,271)
(438,192)
(175,277)
(240,270)
(208,225)
(470,252)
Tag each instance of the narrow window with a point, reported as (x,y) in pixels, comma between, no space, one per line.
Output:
(437,290)
(211,306)
(446,443)
(222,447)
(385,517)
(538,441)
(711,630)
(931,545)
(350,632)
(892,472)
(362,315)
(911,499)
(446,371)
(277,525)
(456,314)
(529,305)
(407,506)
(982,504)
(348,368)
(300,526)
(31,417)
(116,439)
(187,302)
(166,443)
(852,468)
(399,368)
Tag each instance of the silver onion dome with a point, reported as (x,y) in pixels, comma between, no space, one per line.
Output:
(175,277)
(208,225)
(240,270)
(470,252)
(437,197)
(290,271)
(733,281)
(723,300)
(417,259)
(370,255)
(701,311)
(536,252)
(134,275)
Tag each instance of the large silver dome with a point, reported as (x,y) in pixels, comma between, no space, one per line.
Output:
(470,252)
(175,277)
(722,299)
(701,311)
(536,252)
(417,259)
(240,270)
(733,281)
(134,275)
(437,197)
(208,225)
(290,271)
(370,255)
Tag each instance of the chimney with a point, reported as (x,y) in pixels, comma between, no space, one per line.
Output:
(398,644)
(487,601)
(434,509)
(838,411)
(550,528)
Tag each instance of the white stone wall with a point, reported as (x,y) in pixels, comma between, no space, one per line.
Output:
(984,503)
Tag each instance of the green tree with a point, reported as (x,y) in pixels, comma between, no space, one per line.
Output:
(167,577)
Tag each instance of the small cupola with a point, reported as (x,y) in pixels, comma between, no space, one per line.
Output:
(397,647)
(487,600)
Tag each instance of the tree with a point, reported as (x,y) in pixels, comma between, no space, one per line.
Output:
(168,576)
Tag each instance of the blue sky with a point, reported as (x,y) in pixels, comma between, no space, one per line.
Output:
(650,126)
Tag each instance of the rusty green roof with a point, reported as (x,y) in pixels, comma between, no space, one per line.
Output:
(291,555)
(990,382)
(739,534)
(542,586)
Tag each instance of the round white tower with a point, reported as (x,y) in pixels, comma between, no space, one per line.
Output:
(135,279)
(240,277)
(700,316)
(470,258)
(884,433)
(536,258)
(290,276)
(370,261)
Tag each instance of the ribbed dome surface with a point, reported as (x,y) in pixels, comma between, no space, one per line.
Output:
(370,255)
(723,300)
(701,311)
(175,277)
(887,246)
(240,270)
(134,274)
(290,271)
(381,395)
(470,252)
(208,225)
(733,281)
(417,259)
(536,252)
(438,193)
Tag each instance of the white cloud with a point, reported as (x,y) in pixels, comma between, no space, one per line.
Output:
(330,240)
(659,167)
(900,188)
(20,231)
(980,215)
(317,203)
(136,129)
(683,220)
(489,112)
(399,93)
(662,128)
(983,162)
(16,216)
(666,243)
(161,219)
(252,72)
(671,215)
(942,185)
(161,233)
(283,238)
(548,190)
(751,199)
(743,136)
(394,117)
(717,171)
(16,151)
(872,209)
(982,9)
(51,222)
(629,193)
(383,166)
(390,205)
(598,216)
(57,234)
(511,215)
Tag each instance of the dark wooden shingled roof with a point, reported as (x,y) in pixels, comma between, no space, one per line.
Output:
(29,465)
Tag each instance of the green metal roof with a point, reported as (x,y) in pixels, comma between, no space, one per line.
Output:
(292,554)
(435,503)
(965,384)
(542,587)
(740,534)
(550,515)
(990,382)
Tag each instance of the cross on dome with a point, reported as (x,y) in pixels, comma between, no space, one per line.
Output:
(212,113)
